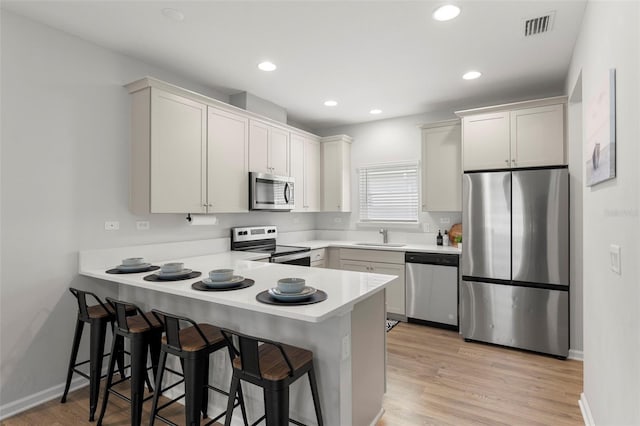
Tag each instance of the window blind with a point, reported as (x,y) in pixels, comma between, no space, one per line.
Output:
(389,193)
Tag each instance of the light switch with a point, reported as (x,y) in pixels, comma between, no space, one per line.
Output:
(614,258)
(142,225)
(111,225)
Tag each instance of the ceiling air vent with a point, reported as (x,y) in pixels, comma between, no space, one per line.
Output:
(538,25)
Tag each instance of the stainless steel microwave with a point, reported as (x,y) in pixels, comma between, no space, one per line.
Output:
(271,192)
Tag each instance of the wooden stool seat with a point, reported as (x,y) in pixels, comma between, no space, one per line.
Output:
(138,324)
(192,343)
(273,365)
(98,311)
(191,340)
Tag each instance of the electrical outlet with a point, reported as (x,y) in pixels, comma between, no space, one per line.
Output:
(426,227)
(112,225)
(445,220)
(142,225)
(337,219)
(614,259)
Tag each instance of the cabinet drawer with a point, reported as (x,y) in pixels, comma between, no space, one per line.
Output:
(383,256)
(318,264)
(317,255)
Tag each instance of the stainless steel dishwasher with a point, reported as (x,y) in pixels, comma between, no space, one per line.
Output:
(432,289)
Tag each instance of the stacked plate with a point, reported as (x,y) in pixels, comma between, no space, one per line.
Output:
(133,264)
(172,271)
(291,290)
(222,278)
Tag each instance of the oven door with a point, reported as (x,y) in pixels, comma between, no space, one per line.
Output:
(271,192)
(301,259)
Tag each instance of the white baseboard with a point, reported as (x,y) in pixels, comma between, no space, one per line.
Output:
(378,417)
(585,410)
(576,355)
(23,404)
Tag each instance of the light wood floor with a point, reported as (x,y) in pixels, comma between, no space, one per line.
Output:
(434,378)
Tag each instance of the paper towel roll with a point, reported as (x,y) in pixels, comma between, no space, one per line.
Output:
(203,220)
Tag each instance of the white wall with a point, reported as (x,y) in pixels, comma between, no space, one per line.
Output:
(610,39)
(387,141)
(65,170)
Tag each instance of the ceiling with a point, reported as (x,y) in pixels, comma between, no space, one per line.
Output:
(389,55)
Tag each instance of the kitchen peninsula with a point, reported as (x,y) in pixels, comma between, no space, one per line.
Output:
(346,332)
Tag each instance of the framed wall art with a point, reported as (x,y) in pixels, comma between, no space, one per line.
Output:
(600,120)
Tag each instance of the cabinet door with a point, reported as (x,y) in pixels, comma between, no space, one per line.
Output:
(537,136)
(442,168)
(396,290)
(332,177)
(227,162)
(354,265)
(298,170)
(258,147)
(311,175)
(485,141)
(279,151)
(178,144)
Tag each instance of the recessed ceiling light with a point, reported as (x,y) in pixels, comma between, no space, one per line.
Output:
(330,103)
(446,12)
(267,66)
(375,111)
(472,75)
(173,14)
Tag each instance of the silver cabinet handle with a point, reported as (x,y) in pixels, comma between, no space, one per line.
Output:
(506,161)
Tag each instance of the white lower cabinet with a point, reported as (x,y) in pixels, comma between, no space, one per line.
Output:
(380,262)
(318,258)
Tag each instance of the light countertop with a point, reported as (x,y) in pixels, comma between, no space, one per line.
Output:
(344,288)
(425,248)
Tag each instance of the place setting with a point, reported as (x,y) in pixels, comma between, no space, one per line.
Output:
(291,291)
(173,271)
(133,265)
(222,280)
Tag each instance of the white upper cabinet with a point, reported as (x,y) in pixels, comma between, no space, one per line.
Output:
(442,168)
(268,148)
(305,168)
(537,136)
(336,173)
(525,134)
(227,162)
(486,141)
(168,153)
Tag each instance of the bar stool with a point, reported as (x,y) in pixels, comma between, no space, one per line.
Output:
(273,366)
(97,316)
(193,345)
(144,332)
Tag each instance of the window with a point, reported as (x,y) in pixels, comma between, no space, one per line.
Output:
(389,193)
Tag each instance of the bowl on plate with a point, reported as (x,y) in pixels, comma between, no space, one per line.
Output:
(132,261)
(291,285)
(172,267)
(221,274)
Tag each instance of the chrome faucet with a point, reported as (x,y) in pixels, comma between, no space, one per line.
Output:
(385,237)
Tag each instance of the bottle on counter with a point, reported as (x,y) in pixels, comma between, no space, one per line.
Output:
(445,238)
(439,238)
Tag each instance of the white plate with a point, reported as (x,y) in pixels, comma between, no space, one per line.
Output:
(236,280)
(306,293)
(177,274)
(133,268)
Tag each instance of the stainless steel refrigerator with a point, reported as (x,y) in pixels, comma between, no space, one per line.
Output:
(515,259)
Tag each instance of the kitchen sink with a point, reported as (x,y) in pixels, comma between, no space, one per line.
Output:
(381,244)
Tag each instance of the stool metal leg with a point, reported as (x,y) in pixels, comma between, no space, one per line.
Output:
(98,332)
(276,404)
(193,386)
(77,336)
(155,343)
(316,397)
(138,374)
(242,406)
(117,342)
(120,352)
(235,383)
(205,389)
(156,395)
